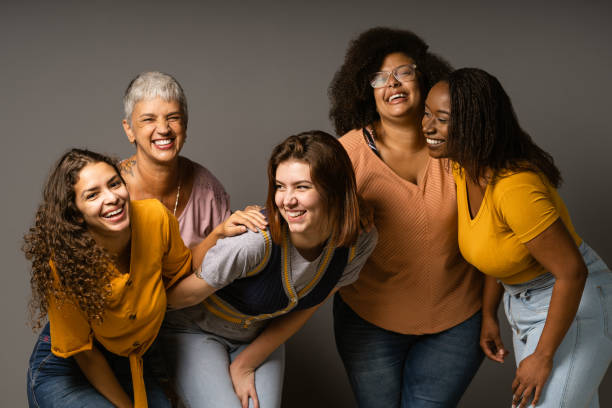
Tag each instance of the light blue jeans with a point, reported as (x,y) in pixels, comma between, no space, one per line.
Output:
(582,359)
(198,364)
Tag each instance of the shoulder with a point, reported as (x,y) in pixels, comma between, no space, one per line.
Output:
(352,140)
(249,243)
(522,180)
(204,180)
(148,212)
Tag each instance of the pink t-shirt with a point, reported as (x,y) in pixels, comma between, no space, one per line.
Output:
(207,207)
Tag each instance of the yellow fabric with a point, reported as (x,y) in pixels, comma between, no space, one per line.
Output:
(137,303)
(515,209)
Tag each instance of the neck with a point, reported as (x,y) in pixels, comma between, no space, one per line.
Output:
(400,136)
(310,248)
(157,179)
(116,244)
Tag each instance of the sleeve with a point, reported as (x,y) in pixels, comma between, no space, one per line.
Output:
(176,261)
(234,257)
(358,255)
(213,200)
(527,207)
(70,330)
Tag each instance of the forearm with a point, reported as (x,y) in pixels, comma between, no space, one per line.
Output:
(564,303)
(491,296)
(276,333)
(188,292)
(94,366)
(199,251)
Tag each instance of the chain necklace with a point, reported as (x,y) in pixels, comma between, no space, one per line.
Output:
(178,193)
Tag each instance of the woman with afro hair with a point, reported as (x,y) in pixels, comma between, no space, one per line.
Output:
(408,329)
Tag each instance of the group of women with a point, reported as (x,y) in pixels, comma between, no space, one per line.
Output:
(464,208)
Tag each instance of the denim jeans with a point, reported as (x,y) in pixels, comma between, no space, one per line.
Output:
(56,382)
(388,369)
(198,364)
(584,355)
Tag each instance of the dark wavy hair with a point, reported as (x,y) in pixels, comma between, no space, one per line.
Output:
(332,174)
(60,235)
(350,94)
(484,132)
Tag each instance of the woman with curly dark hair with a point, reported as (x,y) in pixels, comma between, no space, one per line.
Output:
(408,329)
(515,228)
(100,266)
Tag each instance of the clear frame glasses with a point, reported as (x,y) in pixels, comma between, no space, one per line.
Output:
(403,73)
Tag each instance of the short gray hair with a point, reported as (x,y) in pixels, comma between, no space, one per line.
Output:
(149,85)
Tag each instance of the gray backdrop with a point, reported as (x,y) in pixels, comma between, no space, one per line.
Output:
(256,72)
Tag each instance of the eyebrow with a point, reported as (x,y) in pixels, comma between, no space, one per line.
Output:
(116,176)
(297,182)
(168,114)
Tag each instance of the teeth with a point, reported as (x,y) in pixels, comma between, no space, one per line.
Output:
(295,213)
(162,142)
(399,95)
(434,141)
(113,213)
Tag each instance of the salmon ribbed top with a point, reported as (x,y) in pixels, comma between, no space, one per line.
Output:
(415,281)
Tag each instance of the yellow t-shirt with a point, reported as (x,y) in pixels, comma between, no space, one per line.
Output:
(137,303)
(515,209)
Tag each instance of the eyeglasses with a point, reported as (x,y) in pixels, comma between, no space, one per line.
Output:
(403,73)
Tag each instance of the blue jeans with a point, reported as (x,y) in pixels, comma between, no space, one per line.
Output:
(198,363)
(388,369)
(583,357)
(56,382)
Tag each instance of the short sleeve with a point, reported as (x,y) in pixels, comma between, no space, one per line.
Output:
(70,330)
(235,257)
(526,206)
(176,261)
(358,255)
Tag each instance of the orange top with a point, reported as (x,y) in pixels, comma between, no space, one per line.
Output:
(137,303)
(415,281)
(515,209)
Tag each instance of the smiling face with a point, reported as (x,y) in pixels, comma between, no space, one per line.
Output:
(157,128)
(396,99)
(103,200)
(300,204)
(435,119)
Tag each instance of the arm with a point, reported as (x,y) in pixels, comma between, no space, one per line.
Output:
(193,289)
(242,369)
(95,367)
(556,251)
(490,339)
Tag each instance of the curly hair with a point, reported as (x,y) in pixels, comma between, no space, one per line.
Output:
(484,132)
(60,236)
(352,98)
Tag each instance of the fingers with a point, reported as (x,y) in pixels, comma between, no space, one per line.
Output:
(488,347)
(253,220)
(536,398)
(255,399)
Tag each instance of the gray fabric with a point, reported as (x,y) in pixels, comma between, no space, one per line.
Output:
(233,257)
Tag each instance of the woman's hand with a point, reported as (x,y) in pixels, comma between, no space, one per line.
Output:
(530,378)
(237,223)
(243,380)
(490,340)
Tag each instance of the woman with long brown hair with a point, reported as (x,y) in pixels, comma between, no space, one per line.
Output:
(100,267)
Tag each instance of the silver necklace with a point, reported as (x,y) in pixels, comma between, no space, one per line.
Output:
(178,194)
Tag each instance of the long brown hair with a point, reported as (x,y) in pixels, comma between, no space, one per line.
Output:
(60,235)
(332,174)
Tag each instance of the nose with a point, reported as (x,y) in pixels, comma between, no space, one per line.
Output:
(426,123)
(392,81)
(163,126)
(289,199)
(109,196)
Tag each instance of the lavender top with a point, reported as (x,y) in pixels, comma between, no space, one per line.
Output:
(207,207)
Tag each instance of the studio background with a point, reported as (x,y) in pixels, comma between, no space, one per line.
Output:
(257,72)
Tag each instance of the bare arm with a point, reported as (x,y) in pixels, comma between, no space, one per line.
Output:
(490,338)
(95,367)
(556,250)
(242,369)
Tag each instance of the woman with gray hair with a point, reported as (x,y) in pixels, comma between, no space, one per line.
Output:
(155,122)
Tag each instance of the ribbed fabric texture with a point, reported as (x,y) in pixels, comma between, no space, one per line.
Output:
(415,281)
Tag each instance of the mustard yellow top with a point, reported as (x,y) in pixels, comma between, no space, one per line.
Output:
(137,303)
(515,209)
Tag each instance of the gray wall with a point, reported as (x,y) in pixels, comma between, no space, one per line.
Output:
(256,72)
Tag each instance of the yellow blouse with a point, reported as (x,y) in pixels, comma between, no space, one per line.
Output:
(515,209)
(137,303)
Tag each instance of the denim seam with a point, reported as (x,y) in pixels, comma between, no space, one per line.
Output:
(34,373)
(602,302)
(571,367)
